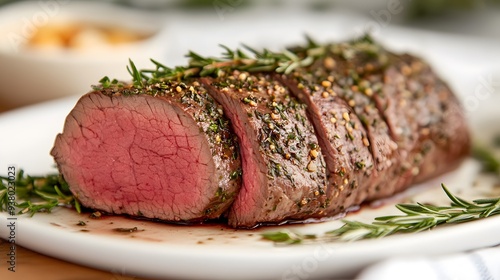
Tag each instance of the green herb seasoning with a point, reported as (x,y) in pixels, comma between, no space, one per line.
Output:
(37,193)
(251,60)
(417,217)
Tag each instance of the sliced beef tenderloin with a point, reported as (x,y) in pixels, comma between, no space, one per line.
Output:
(343,138)
(424,116)
(163,152)
(284,171)
(360,148)
(358,124)
(408,118)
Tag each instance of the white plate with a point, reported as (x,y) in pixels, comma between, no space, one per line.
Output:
(216,252)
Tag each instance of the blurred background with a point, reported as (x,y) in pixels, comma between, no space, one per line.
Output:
(55,48)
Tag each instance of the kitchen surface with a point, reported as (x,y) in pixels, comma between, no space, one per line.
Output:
(53,52)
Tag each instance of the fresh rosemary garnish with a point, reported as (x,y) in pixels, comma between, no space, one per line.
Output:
(36,193)
(417,217)
(257,61)
(246,59)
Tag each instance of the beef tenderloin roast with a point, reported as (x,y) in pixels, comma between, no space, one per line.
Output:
(359,123)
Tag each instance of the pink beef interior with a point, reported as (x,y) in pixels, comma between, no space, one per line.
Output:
(137,155)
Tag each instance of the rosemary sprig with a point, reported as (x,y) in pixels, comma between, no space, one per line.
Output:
(249,60)
(244,59)
(417,217)
(35,193)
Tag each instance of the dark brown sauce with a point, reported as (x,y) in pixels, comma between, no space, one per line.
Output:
(200,232)
(223,224)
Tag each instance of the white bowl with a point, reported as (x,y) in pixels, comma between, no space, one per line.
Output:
(29,76)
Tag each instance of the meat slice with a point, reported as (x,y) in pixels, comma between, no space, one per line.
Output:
(424,116)
(284,171)
(163,152)
(344,142)
(408,119)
